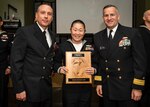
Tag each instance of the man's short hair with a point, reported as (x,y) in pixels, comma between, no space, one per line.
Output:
(110,5)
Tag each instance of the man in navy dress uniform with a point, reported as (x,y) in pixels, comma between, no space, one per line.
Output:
(32,60)
(122,62)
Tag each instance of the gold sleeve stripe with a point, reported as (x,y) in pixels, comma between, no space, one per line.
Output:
(138,82)
(98,78)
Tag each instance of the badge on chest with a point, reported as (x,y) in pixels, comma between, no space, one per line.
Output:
(125,41)
(3,37)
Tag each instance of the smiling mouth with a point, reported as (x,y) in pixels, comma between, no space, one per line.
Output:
(77,37)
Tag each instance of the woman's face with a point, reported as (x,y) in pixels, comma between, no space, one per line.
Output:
(77,32)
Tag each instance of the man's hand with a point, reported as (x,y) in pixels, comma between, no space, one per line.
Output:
(99,90)
(136,94)
(21,96)
(7,71)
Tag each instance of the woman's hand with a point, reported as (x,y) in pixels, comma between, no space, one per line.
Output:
(90,71)
(63,70)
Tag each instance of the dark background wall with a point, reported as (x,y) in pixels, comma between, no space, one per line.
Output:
(139,7)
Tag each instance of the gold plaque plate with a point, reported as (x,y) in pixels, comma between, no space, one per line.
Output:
(76,63)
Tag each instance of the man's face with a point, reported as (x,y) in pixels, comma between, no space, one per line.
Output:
(44,15)
(111,17)
(147,16)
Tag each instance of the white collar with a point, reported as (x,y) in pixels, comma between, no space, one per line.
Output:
(114,31)
(42,28)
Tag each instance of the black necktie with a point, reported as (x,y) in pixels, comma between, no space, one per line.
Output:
(44,40)
(110,35)
(109,43)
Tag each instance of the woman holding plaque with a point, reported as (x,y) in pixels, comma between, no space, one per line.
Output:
(75,94)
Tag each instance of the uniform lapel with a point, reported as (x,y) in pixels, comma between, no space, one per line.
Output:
(114,43)
(39,37)
(105,44)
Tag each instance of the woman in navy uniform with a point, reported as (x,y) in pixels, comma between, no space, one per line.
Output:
(74,95)
(122,62)
(5,45)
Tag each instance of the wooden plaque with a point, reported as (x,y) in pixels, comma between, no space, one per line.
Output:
(77,62)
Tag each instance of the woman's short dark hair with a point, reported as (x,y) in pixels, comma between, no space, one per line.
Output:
(78,21)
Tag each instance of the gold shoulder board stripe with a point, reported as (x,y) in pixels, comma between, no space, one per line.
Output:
(98,78)
(138,82)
